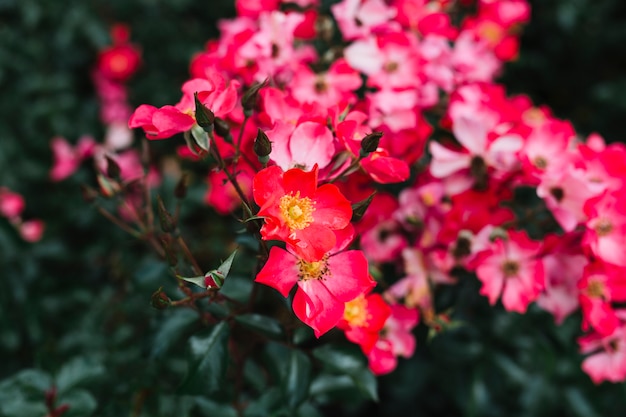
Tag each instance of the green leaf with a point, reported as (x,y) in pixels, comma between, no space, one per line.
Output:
(295,386)
(171,330)
(349,361)
(33,380)
(77,372)
(210,408)
(237,288)
(307,410)
(265,405)
(81,402)
(191,143)
(267,326)
(201,137)
(208,362)
(199,280)
(224,268)
(366,382)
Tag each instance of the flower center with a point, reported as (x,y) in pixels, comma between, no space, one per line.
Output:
(557,193)
(320,85)
(603,227)
(313,270)
(355,312)
(510,269)
(540,162)
(595,289)
(390,67)
(297,212)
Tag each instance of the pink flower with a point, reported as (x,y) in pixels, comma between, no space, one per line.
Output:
(363,319)
(563,264)
(510,268)
(358,18)
(565,193)
(395,340)
(606,228)
(323,286)
(607,361)
(167,121)
(11,204)
(32,230)
(601,285)
(304,146)
(327,89)
(67,159)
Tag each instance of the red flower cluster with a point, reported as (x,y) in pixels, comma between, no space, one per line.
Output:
(401,60)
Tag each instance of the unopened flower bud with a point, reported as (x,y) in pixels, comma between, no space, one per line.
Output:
(204,116)
(108,187)
(213,279)
(113,169)
(370,143)
(262,146)
(222,128)
(359,208)
(160,300)
(250,97)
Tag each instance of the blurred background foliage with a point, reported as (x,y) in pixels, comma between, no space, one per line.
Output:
(75,308)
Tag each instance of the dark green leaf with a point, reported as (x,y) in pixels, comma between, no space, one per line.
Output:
(81,402)
(77,372)
(349,361)
(210,408)
(266,405)
(171,329)
(208,361)
(295,386)
(267,326)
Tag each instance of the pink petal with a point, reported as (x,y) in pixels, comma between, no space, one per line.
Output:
(279,272)
(349,275)
(316,307)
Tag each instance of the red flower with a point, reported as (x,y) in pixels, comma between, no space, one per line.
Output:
(363,319)
(299,213)
(324,286)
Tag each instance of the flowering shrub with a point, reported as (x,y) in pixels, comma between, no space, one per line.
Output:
(372,165)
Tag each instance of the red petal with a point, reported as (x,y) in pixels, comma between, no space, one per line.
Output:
(296,180)
(142,116)
(349,275)
(316,307)
(279,272)
(332,209)
(170,119)
(266,183)
(385,169)
(313,242)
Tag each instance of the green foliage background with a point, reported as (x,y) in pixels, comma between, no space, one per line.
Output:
(75,310)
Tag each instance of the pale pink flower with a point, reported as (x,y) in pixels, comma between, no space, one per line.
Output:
(511,269)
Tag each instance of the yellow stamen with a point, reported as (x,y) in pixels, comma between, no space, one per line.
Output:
(355,312)
(313,270)
(297,212)
(595,289)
